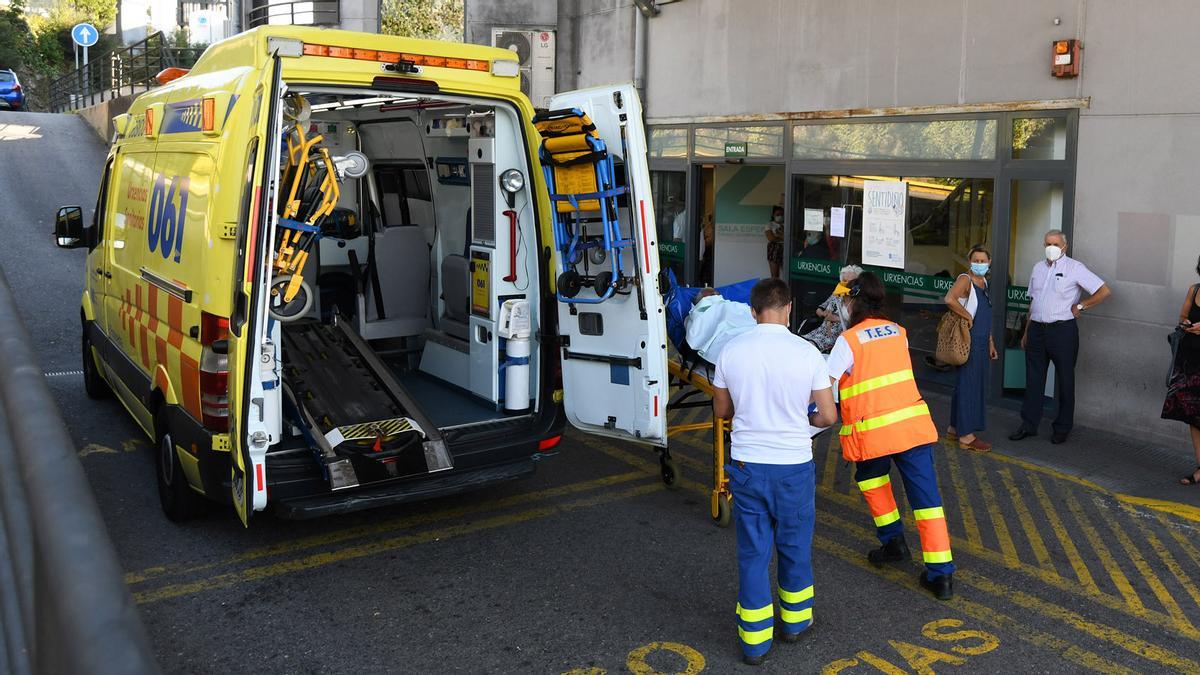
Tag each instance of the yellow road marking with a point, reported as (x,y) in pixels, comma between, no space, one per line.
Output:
(833,456)
(1106,559)
(1180,575)
(998,520)
(970,526)
(296,545)
(1030,527)
(1181,539)
(321,559)
(978,611)
(1156,585)
(1050,610)
(1064,538)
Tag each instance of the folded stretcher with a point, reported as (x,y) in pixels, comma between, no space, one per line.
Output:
(581,175)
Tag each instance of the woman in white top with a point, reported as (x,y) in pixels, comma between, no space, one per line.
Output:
(969,298)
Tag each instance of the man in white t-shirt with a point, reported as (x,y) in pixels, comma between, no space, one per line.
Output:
(766,380)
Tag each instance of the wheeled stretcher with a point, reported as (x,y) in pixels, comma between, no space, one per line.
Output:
(582,179)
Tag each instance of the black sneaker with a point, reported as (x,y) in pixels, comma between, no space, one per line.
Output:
(896,550)
(941,587)
(754,660)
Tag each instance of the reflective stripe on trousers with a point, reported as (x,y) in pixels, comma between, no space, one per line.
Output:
(920,484)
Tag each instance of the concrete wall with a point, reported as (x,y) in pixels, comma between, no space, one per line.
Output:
(99,116)
(1137,212)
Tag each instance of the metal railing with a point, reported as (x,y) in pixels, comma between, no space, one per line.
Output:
(64,606)
(121,72)
(299,13)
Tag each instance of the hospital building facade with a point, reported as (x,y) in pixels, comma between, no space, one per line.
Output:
(996,120)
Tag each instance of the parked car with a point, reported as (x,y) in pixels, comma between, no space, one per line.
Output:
(11,95)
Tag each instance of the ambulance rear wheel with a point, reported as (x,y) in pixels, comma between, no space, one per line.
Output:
(179,502)
(669,471)
(289,311)
(93,383)
(569,284)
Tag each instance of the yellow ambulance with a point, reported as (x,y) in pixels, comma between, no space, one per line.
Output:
(330,270)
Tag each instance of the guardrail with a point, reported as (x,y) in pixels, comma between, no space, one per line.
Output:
(298,13)
(128,70)
(64,606)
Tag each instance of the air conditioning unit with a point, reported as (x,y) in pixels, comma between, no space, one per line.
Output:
(535,52)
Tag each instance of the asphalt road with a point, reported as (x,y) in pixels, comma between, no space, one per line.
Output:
(591,565)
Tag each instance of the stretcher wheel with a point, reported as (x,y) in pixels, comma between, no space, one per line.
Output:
(722,510)
(289,311)
(669,471)
(596,255)
(602,282)
(569,283)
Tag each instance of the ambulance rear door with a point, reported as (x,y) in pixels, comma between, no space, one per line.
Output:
(614,353)
(253,386)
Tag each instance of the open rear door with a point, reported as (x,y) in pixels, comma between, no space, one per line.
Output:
(252,395)
(614,354)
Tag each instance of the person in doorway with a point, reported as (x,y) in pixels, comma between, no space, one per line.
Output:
(765,380)
(677,216)
(969,298)
(774,233)
(1183,388)
(707,244)
(885,421)
(1051,334)
(824,335)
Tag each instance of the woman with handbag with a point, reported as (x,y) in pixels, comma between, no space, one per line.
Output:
(969,299)
(1183,388)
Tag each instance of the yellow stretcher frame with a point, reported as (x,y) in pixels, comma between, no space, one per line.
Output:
(721,502)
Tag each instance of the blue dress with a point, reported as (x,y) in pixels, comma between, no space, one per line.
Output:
(968,405)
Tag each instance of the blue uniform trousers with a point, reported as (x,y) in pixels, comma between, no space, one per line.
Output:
(774,509)
(920,484)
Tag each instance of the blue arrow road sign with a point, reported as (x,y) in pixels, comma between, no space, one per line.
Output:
(85,34)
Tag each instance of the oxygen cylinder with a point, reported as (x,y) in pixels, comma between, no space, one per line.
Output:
(514,326)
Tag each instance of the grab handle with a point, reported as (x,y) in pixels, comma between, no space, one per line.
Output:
(512,246)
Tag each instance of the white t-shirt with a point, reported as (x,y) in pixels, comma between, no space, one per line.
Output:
(841,359)
(771,374)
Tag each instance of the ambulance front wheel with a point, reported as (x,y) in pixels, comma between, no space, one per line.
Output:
(669,471)
(289,311)
(179,502)
(93,383)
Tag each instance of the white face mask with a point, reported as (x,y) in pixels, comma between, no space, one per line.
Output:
(1053,253)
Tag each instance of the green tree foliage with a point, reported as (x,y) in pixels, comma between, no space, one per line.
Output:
(16,44)
(431,19)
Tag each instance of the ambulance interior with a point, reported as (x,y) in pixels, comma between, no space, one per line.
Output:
(403,341)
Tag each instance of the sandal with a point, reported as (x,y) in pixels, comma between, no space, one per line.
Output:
(951,434)
(976,444)
(1190,479)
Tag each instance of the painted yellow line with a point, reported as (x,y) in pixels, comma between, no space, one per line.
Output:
(970,525)
(1064,538)
(1182,539)
(833,457)
(1046,608)
(1129,643)
(1106,559)
(978,611)
(371,548)
(1049,578)
(1148,576)
(326,539)
(1186,511)
(1027,524)
(1183,578)
(999,522)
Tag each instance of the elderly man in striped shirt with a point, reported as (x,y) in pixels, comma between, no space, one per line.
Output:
(1051,334)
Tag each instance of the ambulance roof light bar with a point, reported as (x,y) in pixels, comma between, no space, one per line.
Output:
(396,61)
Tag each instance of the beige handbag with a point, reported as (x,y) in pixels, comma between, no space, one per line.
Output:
(954,339)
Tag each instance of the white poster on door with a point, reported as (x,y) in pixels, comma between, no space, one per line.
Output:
(837,222)
(884,203)
(814,220)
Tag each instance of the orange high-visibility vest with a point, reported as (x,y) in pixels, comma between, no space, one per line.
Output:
(882,410)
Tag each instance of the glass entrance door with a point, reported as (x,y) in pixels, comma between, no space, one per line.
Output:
(669,189)
(945,217)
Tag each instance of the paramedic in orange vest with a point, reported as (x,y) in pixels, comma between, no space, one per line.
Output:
(885,421)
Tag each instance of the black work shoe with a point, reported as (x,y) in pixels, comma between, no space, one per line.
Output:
(790,638)
(1058,438)
(754,660)
(941,587)
(1021,434)
(896,550)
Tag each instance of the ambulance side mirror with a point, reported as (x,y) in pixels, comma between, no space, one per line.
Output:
(68,227)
